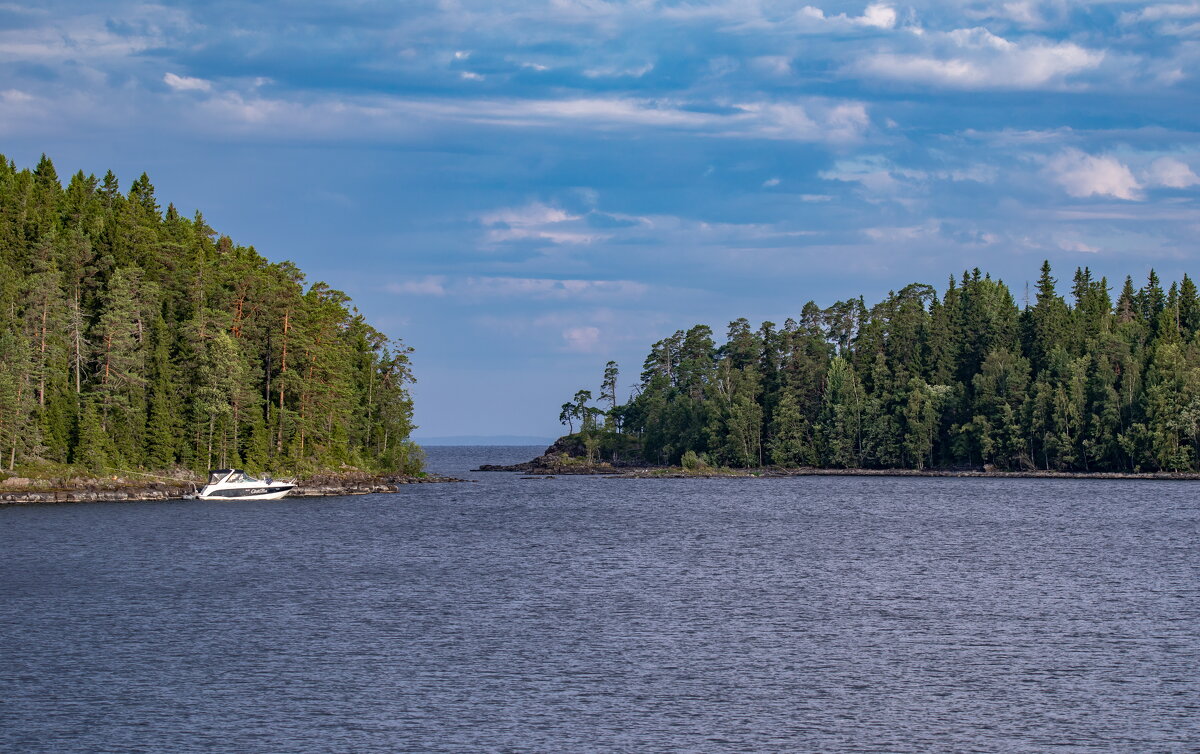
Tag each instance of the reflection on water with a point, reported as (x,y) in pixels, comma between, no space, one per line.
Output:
(592,614)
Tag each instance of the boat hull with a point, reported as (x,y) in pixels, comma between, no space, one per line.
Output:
(265,492)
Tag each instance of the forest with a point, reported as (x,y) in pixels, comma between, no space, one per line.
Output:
(964,379)
(132,337)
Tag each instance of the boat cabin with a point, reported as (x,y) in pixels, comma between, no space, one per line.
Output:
(230,476)
(224,484)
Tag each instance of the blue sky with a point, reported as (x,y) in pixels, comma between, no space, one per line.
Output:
(525,190)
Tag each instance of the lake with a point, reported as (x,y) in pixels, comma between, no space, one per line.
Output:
(845,614)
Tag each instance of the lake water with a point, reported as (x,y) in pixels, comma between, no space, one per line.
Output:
(831,614)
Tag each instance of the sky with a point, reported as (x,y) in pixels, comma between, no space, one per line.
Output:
(522,191)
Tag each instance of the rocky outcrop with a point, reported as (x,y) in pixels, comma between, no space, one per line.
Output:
(324,485)
(777,473)
(555,461)
(93,491)
(564,457)
(551,466)
(568,455)
(120,490)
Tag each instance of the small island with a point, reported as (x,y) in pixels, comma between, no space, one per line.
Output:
(963,383)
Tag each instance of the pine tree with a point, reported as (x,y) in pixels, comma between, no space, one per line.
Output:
(114,313)
(840,422)
(791,434)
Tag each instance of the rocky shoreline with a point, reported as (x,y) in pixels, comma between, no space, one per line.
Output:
(776,473)
(16,491)
(554,463)
(676,472)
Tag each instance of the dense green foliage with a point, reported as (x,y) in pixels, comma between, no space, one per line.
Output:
(131,337)
(919,381)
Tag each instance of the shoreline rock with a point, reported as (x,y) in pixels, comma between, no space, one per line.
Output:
(108,491)
(554,462)
(774,473)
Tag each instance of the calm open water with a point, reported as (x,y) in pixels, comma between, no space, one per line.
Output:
(590,614)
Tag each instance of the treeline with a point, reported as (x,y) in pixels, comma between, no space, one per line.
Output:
(918,380)
(132,337)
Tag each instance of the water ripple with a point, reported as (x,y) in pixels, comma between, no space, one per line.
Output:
(589,614)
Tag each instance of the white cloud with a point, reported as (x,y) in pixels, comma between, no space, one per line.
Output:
(84,40)
(770,183)
(928,229)
(186,83)
(635,72)
(534,214)
(1170,173)
(581,339)
(1024,12)
(501,235)
(839,122)
(543,289)
(978,59)
(12,97)
(1074,244)
(1029,14)
(237,111)
(549,288)
(977,173)
(876,181)
(1164,11)
(876,15)
(539,222)
(773,65)
(430,285)
(18,111)
(1082,174)
(1010,137)
(247,110)
(812,120)
(876,174)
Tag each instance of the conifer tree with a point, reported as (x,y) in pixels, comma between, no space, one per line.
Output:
(133,337)
(918,381)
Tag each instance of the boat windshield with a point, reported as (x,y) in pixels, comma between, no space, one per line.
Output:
(231,476)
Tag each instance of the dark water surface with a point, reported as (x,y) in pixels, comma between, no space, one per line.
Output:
(588,614)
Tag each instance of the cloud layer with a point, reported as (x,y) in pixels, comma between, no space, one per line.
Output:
(555,183)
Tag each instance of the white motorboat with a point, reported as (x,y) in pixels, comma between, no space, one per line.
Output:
(235,484)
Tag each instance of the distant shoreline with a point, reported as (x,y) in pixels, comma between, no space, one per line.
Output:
(578,467)
(772,473)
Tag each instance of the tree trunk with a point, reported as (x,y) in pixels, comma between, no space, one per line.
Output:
(77,326)
(237,317)
(282,371)
(236,412)
(42,365)
(267,372)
